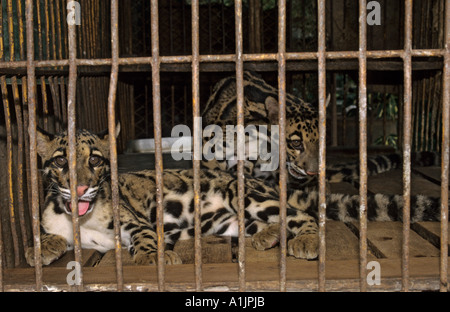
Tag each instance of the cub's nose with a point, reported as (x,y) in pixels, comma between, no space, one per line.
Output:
(81,190)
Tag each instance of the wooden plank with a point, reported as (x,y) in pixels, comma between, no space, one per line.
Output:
(432,174)
(301,275)
(214,250)
(109,259)
(385,241)
(341,244)
(390,183)
(431,231)
(89,257)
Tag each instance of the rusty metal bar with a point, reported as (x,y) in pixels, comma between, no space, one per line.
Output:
(155,62)
(58,27)
(197,143)
(72,151)
(2,55)
(31,88)
(12,216)
(362,145)
(240,141)
(445,152)
(9,8)
(255,57)
(53,32)
(27,141)
(407,97)
(39,28)
(112,140)
(9,139)
(47,31)
(282,140)
(44,102)
(19,166)
(322,140)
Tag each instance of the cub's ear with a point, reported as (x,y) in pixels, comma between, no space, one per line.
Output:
(104,134)
(43,139)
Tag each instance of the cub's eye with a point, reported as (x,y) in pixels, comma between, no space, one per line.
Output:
(297,144)
(95,161)
(60,161)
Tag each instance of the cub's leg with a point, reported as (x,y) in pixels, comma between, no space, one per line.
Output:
(267,237)
(143,247)
(143,240)
(302,227)
(264,208)
(305,243)
(52,248)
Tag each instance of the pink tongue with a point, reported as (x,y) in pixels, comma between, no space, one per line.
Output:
(83,207)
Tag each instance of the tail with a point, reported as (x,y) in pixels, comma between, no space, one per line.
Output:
(349,172)
(380,207)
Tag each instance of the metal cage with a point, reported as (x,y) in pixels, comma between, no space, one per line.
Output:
(18,74)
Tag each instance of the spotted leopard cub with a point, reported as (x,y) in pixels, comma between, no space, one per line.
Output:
(138,205)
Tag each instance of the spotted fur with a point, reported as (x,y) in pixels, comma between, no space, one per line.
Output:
(137,207)
(302,135)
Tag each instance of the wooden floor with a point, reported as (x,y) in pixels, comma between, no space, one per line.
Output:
(220,269)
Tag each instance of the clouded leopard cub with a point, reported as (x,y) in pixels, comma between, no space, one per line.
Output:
(218,206)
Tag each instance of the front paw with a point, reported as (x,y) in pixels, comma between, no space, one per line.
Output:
(304,246)
(52,247)
(267,237)
(143,258)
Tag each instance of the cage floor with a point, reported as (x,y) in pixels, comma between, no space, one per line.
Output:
(220,268)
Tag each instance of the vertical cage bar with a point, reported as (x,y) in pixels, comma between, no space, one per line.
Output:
(44,102)
(240,140)
(322,141)
(158,148)
(72,151)
(362,145)
(445,152)
(197,143)
(39,28)
(9,8)
(282,131)
(112,139)
(47,31)
(20,146)
(27,140)
(407,97)
(31,88)
(9,155)
(2,55)
(58,27)
(53,32)
(12,216)
(20,22)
